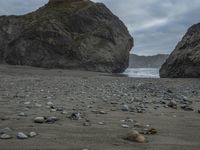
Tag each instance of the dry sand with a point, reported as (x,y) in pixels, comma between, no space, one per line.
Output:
(78,91)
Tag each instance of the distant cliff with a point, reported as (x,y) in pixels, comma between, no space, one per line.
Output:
(155,61)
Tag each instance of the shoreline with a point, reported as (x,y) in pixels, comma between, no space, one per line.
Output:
(99,98)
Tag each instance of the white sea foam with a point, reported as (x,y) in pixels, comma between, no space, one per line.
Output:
(142,72)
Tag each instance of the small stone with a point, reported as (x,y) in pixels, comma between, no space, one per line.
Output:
(22,114)
(5,137)
(137,125)
(51,120)
(39,120)
(32,134)
(102,112)
(21,135)
(75,116)
(125,126)
(187,108)
(199,111)
(27,103)
(125,108)
(135,136)
(101,123)
(64,112)
(87,124)
(53,110)
(59,109)
(173,104)
(38,105)
(50,104)
(5,130)
(152,131)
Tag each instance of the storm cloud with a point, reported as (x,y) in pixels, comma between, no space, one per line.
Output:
(156,25)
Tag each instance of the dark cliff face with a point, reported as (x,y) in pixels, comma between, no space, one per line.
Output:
(155,61)
(80,35)
(184,62)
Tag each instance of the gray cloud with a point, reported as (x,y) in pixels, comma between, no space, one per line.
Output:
(156,25)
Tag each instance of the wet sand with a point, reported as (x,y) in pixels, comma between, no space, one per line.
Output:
(89,93)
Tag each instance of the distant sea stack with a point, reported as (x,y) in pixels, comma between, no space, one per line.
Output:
(71,34)
(154,61)
(184,62)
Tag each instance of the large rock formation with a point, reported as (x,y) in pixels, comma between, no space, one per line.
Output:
(77,34)
(184,62)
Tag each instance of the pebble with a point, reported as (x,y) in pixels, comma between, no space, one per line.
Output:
(27,103)
(187,108)
(87,124)
(135,136)
(51,120)
(125,108)
(5,130)
(22,114)
(64,112)
(5,137)
(50,104)
(60,109)
(75,116)
(173,104)
(101,123)
(32,134)
(38,105)
(199,111)
(39,120)
(21,135)
(53,110)
(125,126)
(102,112)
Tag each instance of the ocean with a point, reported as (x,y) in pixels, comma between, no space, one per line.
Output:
(142,72)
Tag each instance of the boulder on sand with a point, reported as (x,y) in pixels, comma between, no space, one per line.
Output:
(71,34)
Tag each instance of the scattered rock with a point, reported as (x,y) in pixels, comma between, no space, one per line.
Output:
(5,136)
(50,104)
(87,123)
(32,134)
(75,116)
(60,109)
(5,130)
(187,108)
(21,135)
(38,105)
(39,120)
(125,108)
(27,103)
(101,123)
(102,112)
(125,126)
(51,120)
(173,104)
(22,114)
(150,131)
(135,136)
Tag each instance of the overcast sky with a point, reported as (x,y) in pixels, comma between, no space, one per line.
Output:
(156,25)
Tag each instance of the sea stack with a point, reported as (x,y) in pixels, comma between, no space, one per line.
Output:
(70,34)
(184,62)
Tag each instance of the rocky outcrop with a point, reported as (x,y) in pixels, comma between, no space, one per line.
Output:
(72,34)
(154,61)
(184,62)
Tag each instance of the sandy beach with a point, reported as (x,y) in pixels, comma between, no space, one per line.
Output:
(99,99)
